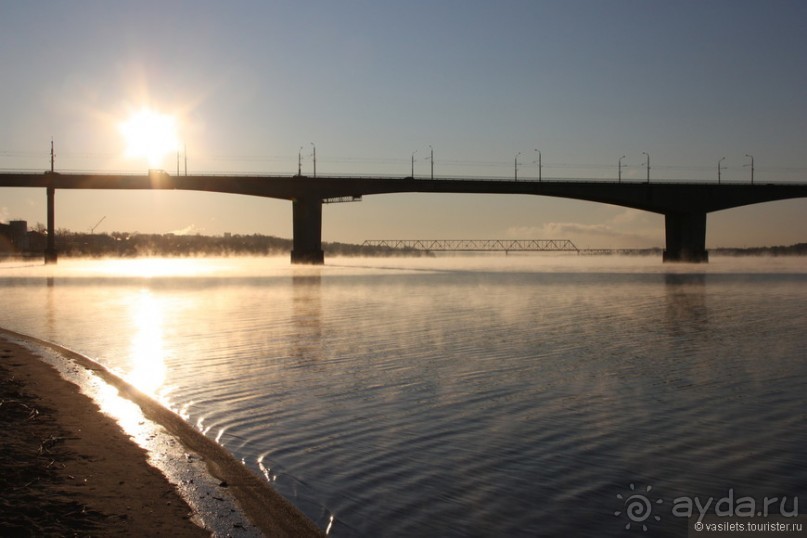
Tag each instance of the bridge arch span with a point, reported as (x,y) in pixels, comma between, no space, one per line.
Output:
(683,204)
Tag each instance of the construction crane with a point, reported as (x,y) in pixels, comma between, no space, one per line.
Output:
(92,230)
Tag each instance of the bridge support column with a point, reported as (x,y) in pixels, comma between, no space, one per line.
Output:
(686,237)
(50,249)
(307,240)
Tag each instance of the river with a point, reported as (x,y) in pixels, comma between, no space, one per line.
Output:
(461,396)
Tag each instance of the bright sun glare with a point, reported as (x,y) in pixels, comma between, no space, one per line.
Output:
(150,135)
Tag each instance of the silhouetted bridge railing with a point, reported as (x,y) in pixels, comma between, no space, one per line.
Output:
(475,245)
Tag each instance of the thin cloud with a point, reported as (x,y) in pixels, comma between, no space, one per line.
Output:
(630,228)
(604,235)
(629,216)
(190,229)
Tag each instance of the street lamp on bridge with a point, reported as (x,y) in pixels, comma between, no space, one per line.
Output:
(431,159)
(314,155)
(412,173)
(752,167)
(620,168)
(648,165)
(515,165)
(300,161)
(719,168)
(540,166)
(185,154)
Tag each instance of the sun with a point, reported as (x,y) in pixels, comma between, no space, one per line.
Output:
(151,135)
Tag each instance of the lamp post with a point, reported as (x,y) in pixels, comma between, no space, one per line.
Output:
(648,165)
(719,168)
(540,166)
(752,167)
(620,168)
(413,164)
(515,165)
(184,153)
(300,161)
(431,159)
(315,158)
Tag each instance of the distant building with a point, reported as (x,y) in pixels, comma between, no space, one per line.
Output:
(19,235)
(5,238)
(14,237)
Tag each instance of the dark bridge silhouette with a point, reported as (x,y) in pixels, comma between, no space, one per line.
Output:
(683,204)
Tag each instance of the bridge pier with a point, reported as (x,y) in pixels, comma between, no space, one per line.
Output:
(50,249)
(686,237)
(307,230)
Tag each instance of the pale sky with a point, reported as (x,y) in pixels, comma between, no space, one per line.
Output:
(584,82)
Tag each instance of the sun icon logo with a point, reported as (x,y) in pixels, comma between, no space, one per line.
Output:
(638,507)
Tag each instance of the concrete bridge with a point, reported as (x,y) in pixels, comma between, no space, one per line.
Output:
(683,204)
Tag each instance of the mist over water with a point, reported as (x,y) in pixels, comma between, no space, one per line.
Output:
(472,396)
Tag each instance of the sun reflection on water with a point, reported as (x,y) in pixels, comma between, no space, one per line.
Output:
(147,351)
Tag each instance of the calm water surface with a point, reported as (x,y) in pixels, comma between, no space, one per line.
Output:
(489,396)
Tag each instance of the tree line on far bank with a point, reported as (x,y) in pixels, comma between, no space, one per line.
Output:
(121,244)
(124,244)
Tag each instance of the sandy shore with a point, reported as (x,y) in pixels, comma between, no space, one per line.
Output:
(68,469)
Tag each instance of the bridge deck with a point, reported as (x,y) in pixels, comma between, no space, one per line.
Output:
(658,197)
(683,204)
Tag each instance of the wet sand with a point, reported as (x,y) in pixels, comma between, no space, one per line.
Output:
(68,469)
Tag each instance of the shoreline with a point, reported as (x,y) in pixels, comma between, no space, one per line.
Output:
(94,445)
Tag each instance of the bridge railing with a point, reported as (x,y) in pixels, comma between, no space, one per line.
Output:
(503,179)
(382,177)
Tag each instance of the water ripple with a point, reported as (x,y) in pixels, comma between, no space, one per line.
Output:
(501,398)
